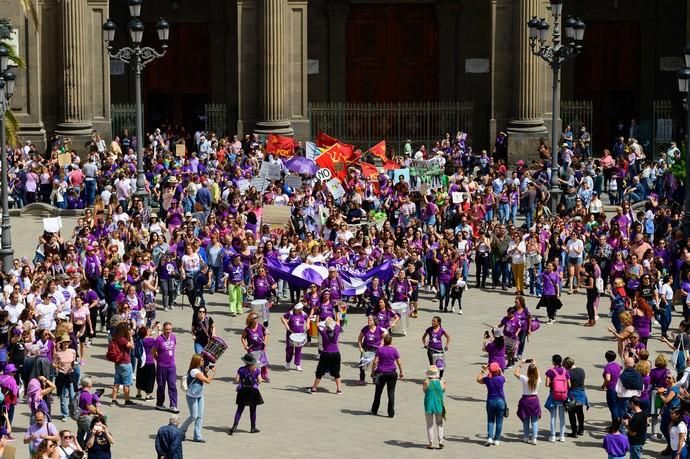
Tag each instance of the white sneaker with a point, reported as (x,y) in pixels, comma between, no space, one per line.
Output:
(298,368)
(489,442)
(552,439)
(562,438)
(497,442)
(452,309)
(460,312)
(288,366)
(533,441)
(525,440)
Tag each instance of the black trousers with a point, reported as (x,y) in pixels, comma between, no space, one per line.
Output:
(577,419)
(388,379)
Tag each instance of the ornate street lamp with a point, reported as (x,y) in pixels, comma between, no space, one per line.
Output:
(139,56)
(684,87)
(7,80)
(555,54)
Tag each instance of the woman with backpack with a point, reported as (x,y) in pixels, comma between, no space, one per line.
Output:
(196,377)
(119,353)
(558,382)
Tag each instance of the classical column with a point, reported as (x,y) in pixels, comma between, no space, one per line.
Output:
(526,125)
(75,118)
(273,102)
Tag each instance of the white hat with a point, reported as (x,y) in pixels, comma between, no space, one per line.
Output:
(298,306)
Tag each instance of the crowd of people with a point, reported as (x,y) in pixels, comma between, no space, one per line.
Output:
(485,225)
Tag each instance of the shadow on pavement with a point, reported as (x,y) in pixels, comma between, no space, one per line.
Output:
(357,412)
(405,444)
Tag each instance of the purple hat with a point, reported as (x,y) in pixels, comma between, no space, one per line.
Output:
(10,368)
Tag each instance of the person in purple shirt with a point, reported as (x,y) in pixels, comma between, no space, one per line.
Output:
(495,346)
(254,340)
(615,443)
(264,285)
(295,321)
(248,379)
(492,377)
(163,352)
(334,284)
(612,371)
(146,374)
(370,339)
(551,285)
(511,330)
(235,283)
(325,308)
(432,340)
(401,288)
(556,407)
(384,374)
(329,360)
(386,317)
(657,379)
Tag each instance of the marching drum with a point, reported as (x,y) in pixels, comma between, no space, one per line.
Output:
(438,359)
(261,358)
(313,328)
(511,345)
(366,359)
(214,349)
(260,308)
(404,311)
(298,339)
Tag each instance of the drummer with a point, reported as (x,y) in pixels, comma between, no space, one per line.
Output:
(374,292)
(263,286)
(325,308)
(254,340)
(369,340)
(334,284)
(432,339)
(401,288)
(295,321)
(386,317)
(311,301)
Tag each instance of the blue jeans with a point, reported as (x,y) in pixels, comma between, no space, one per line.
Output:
(513,213)
(532,422)
(66,393)
(196,415)
(495,407)
(216,278)
(489,215)
(665,314)
(501,272)
(612,402)
(529,217)
(559,410)
(90,190)
(503,212)
(636,451)
(535,280)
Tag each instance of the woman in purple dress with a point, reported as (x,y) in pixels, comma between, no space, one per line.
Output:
(432,340)
(254,339)
(248,379)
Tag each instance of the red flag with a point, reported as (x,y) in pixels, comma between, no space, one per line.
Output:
(379,150)
(391,165)
(324,140)
(369,170)
(335,159)
(280,145)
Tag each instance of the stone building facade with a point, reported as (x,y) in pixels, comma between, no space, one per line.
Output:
(266,60)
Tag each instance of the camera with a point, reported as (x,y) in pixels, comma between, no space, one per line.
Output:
(529,361)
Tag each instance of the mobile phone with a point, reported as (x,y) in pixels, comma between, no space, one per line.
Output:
(99,392)
(529,361)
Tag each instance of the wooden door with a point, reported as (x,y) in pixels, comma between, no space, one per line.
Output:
(608,73)
(392,53)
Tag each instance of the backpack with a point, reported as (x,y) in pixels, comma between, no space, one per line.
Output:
(74,409)
(559,386)
(138,348)
(114,354)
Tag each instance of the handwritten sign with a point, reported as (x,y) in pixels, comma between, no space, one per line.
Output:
(65,159)
(274,171)
(259,183)
(243,185)
(293,181)
(265,169)
(457,197)
(324,175)
(276,215)
(52,225)
(335,188)
(180,150)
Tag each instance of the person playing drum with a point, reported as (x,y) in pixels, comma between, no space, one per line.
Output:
(511,330)
(263,285)
(295,322)
(254,339)
(434,343)
(325,308)
(369,341)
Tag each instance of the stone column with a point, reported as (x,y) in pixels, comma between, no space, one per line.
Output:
(526,125)
(75,120)
(273,103)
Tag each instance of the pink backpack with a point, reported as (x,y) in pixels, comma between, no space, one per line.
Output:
(559,385)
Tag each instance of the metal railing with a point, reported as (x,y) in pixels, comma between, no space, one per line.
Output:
(577,113)
(216,119)
(123,116)
(662,124)
(364,125)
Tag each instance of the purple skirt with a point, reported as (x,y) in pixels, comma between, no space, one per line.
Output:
(529,406)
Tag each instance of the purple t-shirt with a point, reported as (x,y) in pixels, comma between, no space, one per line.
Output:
(166,351)
(326,310)
(444,272)
(510,326)
(616,445)
(496,354)
(614,370)
(149,341)
(329,338)
(387,356)
(372,339)
(401,290)
(386,317)
(248,378)
(262,287)
(494,386)
(86,399)
(435,338)
(549,283)
(89,297)
(255,338)
(296,321)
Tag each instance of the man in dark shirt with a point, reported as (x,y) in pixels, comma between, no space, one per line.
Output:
(637,428)
(169,440)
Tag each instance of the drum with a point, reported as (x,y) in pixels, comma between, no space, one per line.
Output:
(404,311)
(511,345)
(261,358)
(313,328)
(260,308)
(438,359)
(214,349)
(298,339)
(366,359)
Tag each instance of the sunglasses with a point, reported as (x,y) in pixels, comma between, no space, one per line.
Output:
(67,437)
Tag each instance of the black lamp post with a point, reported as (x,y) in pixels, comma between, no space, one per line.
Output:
(555,54)
(683,87)
(7,80)
(139,56)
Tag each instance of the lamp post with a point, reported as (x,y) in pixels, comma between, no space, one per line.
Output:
(684,86)
(6,91)
(139,56)
(555,54)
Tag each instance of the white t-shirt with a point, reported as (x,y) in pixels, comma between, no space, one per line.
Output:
(675,434)
(14,311)
(64,452)
(191,263)
(575,248)
(525,386)
(517,252)
(46,315)
(666,292)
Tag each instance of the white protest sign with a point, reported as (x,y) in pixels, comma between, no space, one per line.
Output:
(274,171)
(265,170)
(457,197)
(52,225)
(293,181)
(243,185)
(259,183)
(324,175)
(335,188)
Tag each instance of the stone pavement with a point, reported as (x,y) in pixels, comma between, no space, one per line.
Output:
(294,423)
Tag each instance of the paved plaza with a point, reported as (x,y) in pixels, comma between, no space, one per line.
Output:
(294,423)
